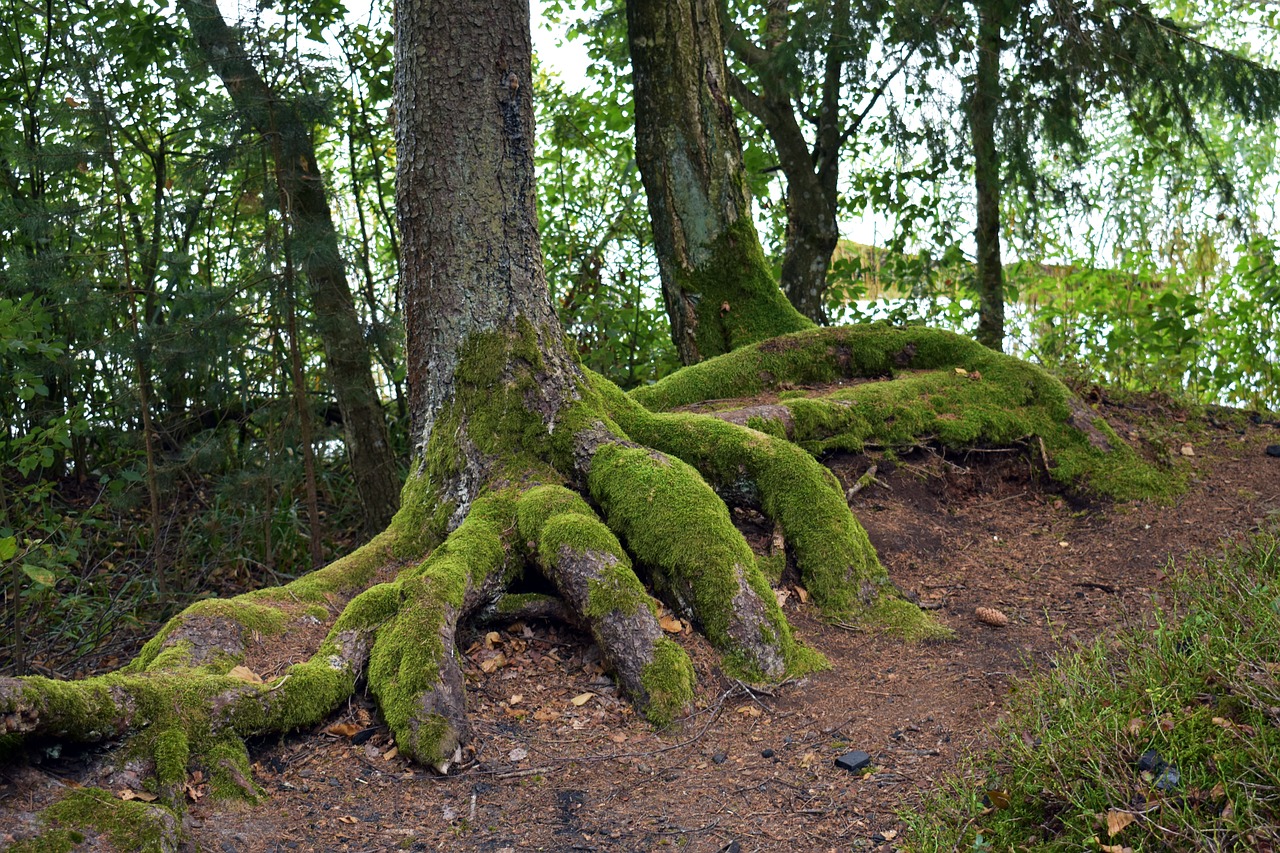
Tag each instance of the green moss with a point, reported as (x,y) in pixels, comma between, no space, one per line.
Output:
(128,825)
(735,295)
(903,619)
(772,566)
(677,527)
(994,400)
(229,773)
(171,752)
(618,591)
(668,682)
(518,601)
(407,654)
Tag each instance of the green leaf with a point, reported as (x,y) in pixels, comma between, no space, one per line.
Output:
(8,547)
(39,574)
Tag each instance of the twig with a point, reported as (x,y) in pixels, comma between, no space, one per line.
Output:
(516,774)
(865,480)
(1000,501)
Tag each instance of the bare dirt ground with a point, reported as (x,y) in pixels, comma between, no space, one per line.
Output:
(560,762)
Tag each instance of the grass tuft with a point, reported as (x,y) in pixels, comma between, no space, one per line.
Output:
(1166,737)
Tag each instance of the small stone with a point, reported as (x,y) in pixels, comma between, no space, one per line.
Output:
(1150,762)
(1168,780)
(854,762)
(1273,449)
(720,758)
(766,753)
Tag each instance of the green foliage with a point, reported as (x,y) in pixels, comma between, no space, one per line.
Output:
(1197,686)
(595,235)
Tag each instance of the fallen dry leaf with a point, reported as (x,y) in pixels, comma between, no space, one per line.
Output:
(1188,450)
(620,737)
(802,593)
(1114,848)
(999,798)
(346,818)
(129,794)
(391,753)
(582,699)
(545,715)
(342,729)
(243,673)
(494,663)
(1135,726)
(1117,820)
(749,711)
(960,371)
(671,624)
(516,699)
(518,754)
(491,639)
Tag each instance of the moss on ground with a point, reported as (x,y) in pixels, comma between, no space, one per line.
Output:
(127,825)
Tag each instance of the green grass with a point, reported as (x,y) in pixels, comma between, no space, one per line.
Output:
(1199,684)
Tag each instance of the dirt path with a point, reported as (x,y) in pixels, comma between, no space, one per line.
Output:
(561,763)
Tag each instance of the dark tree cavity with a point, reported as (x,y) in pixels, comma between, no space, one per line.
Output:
(526,464)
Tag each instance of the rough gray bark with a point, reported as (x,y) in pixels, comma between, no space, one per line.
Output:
(984,100)
(718,288)
(471,261)
(303,199)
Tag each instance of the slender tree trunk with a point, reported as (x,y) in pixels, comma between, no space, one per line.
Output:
(984,103)
(717,285)
(812,169)
(304,202)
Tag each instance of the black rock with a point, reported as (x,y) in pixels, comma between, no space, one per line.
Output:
(720,758)
(1151,762)
(364,734)
(1273,449)
(1168,780)
(766,753)
(854,762)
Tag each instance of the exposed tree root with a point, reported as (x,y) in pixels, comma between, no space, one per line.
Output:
(607,500)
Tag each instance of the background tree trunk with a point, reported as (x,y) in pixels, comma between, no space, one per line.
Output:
(812,172)
(984,104)
(303,200)
(719,289)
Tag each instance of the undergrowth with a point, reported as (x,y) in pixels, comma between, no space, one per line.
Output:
(1166,737)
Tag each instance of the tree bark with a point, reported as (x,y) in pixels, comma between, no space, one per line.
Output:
(303,200)
(717,285)
(812,170)
(984,104)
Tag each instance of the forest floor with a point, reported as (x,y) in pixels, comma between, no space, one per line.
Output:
(561,762)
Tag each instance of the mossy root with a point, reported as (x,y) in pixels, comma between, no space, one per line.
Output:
(589,567)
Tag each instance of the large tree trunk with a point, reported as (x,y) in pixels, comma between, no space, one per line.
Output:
(303,201)
(984,103)
(717,285)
